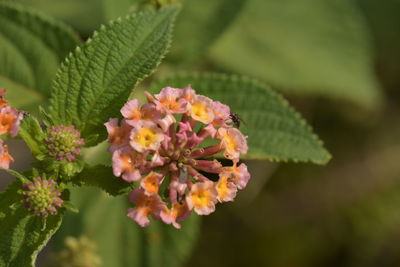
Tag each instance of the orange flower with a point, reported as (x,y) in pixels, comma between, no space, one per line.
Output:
(151,182)
(5,158)
(10,119)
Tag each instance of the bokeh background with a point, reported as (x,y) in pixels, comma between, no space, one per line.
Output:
(338,63)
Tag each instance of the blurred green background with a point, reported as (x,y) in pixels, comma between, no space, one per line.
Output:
(338,63)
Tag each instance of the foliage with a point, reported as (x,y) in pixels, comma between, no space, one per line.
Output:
(23,234)
(90,86)
(27,38)
(121,243)
(275,131)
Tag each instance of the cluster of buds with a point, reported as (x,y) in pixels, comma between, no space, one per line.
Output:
(10,119)
(162,145)
(64,142)
(42,197)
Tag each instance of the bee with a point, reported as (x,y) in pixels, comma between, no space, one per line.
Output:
(235,119)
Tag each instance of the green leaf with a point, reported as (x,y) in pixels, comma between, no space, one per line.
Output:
(275,131)
(31,132)
(303,46)
(31,48)
(102,177)
(73,12)
(120,241)
(200,23)
(22,235)
(95,81)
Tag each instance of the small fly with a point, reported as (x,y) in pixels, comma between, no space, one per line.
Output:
(236,119)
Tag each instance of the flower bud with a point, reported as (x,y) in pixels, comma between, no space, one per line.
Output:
(64,142)
(42,197)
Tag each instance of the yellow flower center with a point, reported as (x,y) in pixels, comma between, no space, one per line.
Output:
(230,142)
(146,137)
(222,187)
(201,198)
(200,111)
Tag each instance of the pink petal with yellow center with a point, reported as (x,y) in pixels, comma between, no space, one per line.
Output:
(226,189)
(201,109)
(146,136)
(233,141)
(202,198)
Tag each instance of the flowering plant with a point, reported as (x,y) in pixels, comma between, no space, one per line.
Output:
(177,153)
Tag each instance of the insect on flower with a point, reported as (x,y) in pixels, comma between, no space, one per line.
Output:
(236,119)
(162,145)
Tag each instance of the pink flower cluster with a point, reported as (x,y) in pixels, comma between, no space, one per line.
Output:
(10,119)
(166,146)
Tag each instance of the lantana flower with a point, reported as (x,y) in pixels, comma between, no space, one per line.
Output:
(162,146)
(10,120)
(5,158)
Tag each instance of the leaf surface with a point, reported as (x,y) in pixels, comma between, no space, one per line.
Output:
(304,47)
(23,235)
(31,48)
(275,130)
(102,177)
(95,81)
(200,24)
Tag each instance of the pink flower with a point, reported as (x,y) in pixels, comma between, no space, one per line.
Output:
(127,163)
(5,158)
(145,206)
(239,175)
(151,182)
(178,213)
(146,136)
(202,198)
(164,147)
(117,136)
(134,114)
(233,141)
(169,100)
(10,120)
(226,188)
(201,109)
(221,114)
